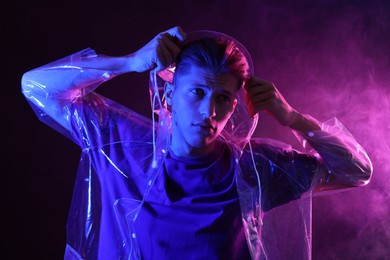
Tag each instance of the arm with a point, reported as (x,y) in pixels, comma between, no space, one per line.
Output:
(344,163)
(52,88)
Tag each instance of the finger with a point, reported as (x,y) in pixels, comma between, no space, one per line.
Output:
(164,57)
(260,102)
(177,32)
(167,56)
(263,97)
(159,58)
(259,106)
(171,46)
(259,89)
(256,81)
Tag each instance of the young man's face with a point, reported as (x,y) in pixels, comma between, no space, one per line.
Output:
(201,104)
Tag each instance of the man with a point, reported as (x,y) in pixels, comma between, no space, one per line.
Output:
(190,183)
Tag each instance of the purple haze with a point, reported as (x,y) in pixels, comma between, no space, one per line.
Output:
(334,61)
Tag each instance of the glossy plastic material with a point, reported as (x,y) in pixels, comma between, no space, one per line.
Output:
(123,153)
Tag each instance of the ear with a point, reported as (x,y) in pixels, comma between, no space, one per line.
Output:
(234,104)
(168,92)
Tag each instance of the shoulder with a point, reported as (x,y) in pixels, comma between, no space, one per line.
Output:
(95,117)
(266,148)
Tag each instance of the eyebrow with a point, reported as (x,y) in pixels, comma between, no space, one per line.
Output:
(228,92)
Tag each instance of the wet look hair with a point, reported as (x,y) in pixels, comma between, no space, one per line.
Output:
(217,55)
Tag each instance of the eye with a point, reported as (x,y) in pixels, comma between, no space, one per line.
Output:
(199,92)
(224,98)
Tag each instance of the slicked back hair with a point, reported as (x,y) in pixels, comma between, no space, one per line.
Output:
(216,55)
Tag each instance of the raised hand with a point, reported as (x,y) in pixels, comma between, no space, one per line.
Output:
(160,52)
(262,95)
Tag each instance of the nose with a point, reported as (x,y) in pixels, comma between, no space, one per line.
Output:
(207,109)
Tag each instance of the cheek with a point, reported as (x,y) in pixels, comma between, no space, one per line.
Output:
(226,118)
(183,107)
(225,112)
(180,115)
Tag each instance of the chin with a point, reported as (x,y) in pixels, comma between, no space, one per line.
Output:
(204,144)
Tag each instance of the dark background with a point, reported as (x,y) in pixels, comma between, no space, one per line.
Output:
(328,58)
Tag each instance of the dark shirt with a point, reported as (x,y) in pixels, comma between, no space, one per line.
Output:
(193,212)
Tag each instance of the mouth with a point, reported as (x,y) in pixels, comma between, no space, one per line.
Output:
(205,127)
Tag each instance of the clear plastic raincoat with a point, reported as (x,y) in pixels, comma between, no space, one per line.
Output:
(122,154)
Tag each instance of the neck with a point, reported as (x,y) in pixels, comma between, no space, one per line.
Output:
(187,151)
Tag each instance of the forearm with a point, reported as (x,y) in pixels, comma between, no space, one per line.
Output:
(74,75)
(112,64)
(302,123)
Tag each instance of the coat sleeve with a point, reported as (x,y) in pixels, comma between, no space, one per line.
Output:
(344,162)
